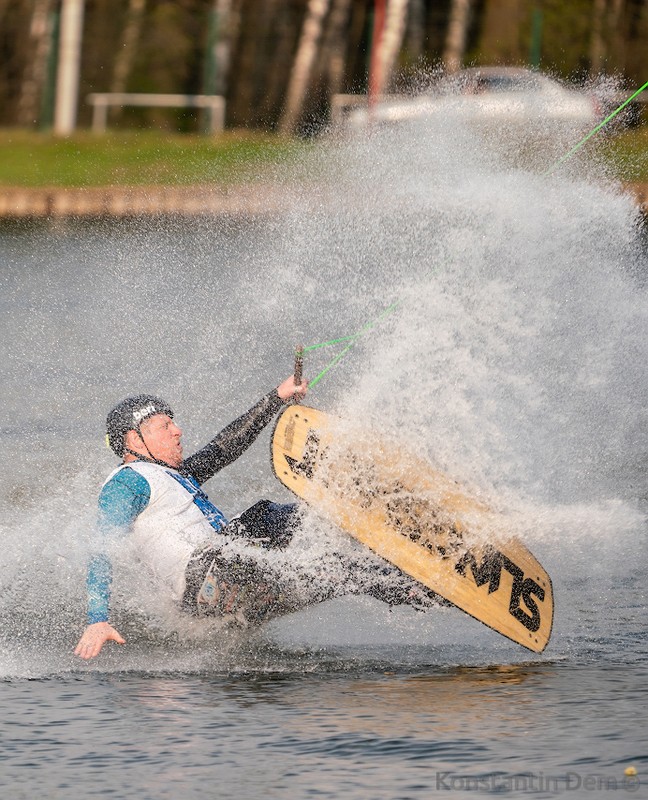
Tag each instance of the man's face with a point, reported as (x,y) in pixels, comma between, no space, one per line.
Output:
(162,437)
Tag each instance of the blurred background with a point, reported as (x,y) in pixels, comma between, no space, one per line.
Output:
(284,64)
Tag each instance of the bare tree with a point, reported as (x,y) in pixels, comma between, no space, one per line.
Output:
(392,39)
(298,52)
(415,31)
(375,61)
(389,27)
(281,40)
(616,30)
(67,79)
(219,47)
(248,32)
(356,61)
(643,19)
(126,54)
(635,36)
(500,40)
(223,44)
(3,8)
(597,43)
(455,45)
(217,54)
(334,45)
(35,71)
(303,63)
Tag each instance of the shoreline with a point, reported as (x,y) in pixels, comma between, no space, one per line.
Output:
(139,201)
(146,201)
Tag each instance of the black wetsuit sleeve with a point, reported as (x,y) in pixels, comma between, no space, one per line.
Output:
(233,440)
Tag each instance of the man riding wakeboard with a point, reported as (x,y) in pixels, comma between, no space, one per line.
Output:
(155,498)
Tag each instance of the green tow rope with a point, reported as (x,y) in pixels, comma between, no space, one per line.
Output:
(351,340)
(602,124)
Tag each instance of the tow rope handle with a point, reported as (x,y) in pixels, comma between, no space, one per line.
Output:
(299,367)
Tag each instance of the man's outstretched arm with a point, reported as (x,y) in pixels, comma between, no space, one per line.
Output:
(235,439)
(121,500)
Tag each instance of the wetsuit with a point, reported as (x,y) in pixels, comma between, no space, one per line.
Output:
(169,518)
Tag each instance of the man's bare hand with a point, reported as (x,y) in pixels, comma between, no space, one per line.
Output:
(289,388)
(94,638)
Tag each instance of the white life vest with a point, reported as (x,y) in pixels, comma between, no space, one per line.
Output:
(178,519)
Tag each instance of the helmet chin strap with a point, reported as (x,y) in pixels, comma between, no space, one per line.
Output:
(150,459)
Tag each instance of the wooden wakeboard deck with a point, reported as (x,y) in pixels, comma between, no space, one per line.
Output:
(417,519)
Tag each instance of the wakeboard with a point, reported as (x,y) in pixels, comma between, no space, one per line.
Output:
(417,519)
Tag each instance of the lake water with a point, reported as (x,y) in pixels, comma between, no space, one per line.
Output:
(516,361)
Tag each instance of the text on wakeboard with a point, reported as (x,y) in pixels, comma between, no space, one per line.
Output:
(443,540)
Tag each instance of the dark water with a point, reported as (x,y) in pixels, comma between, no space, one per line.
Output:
(359,730)
(516,362)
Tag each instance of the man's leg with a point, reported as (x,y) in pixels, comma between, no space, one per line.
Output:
(235,588)
(266,524)
(382,580)
(335,574)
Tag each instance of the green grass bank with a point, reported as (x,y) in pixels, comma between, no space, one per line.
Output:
(140,158)
(136,173)
(154,158)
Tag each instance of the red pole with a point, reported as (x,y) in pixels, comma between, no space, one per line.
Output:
(375,71)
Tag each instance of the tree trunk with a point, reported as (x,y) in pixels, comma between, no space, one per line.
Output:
(222,45)
(276,70)
(375,59)
(35,71)
(241,94)
(217,55)
(67,81)
(125,57)
(616,30)
(415,31)
(3,8)
(334,46)
(500,41)
(455,45)
(597,45)
(356,58)
(389,28)
(260,60)
(392,40)
(303,63)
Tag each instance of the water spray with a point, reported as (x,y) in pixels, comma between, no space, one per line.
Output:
(349,341)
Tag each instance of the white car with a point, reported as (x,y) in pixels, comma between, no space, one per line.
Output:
(491,95)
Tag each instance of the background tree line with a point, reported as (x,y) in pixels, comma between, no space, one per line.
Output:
(279,62)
